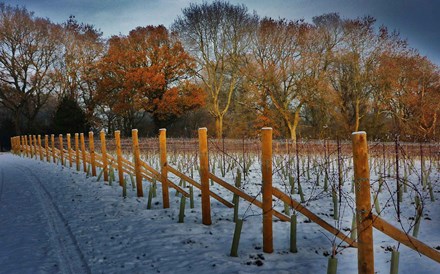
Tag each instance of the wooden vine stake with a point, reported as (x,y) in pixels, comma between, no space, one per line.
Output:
(137,163)
(60,138)
(104,155)
(24,142)
(204,176)
(69,149)
(35,145)
(164,167)
(27,146)
(31,148)
(119,157)
(46,146)
(92,153)
(83,151)
(363,203)
(40,149)
(266,169)
(77,151)
(52,140)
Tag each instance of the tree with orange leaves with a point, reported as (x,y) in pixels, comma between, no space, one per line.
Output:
(147,71)
(411,94)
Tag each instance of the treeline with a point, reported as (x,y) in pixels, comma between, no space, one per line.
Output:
(220,66)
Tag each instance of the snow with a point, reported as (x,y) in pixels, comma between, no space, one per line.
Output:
(54,219)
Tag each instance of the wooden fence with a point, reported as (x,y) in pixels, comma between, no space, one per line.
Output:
(31,146)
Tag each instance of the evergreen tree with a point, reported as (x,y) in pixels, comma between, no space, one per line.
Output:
(69,117)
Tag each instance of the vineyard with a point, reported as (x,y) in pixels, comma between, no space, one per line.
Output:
(286,185)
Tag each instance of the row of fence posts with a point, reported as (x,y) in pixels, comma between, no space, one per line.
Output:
(364,214)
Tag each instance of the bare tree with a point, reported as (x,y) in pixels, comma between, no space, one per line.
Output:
(285,67)
(355,67)
(218,36)
(28,51)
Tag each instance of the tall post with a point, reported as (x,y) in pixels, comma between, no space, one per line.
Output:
(61,149)
(46,146)
(119,157)
(83,151)
(92,153)
(25,141)
(31,148)
(204,176)
(52,139)
(266,169)
(363,203)
(104,155)
(137,163)
(18,142)
(69,149)
(35,145)
(163,167)
(22,146)
(77,151)
(40,149)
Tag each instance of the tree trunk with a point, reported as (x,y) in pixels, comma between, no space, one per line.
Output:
(292,126)
(357,116)
(219,126)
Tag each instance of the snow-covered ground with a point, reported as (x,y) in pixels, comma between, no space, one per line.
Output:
(54,219)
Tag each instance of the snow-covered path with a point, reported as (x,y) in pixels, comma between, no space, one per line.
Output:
(54,219)
(35,236)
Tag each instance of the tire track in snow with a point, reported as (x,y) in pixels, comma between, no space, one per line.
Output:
(71,258)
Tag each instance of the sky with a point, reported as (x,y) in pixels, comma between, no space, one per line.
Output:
(416,20)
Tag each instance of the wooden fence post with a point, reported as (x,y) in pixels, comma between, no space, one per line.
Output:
(83,151)
(40,149)
(14,144)
(204,176)
(137,163)
(266,168)
(31,148)
(92,153)
(77,151)
(363,203)
(69,149)
(119,157)
(35,145)
(24,144)
(104,155)
(163,167)
(52,139)
(17,145)
(46,146)
(61,149)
